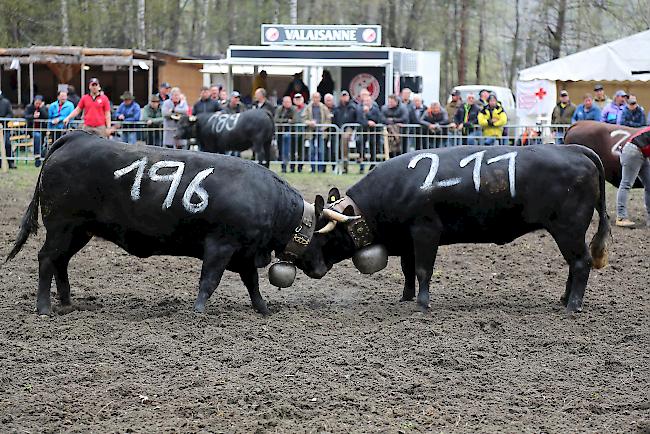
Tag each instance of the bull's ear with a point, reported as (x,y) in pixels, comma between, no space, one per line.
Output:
(348,210)
(319,204)
(333,195)
(192,118)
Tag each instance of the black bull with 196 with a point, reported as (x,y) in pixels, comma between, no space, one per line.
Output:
(410,205)
(229,212)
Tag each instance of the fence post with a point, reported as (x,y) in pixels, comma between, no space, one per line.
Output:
(4,164)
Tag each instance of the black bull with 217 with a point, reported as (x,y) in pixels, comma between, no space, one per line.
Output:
(410,205)
(220,132)
(229,212)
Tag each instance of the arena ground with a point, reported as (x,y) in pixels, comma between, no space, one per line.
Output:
(496,353)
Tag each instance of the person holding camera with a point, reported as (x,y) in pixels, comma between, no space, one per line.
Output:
(172,110)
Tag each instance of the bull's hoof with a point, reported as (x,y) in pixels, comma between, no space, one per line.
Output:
(44,310)
(406,298)
(199,308)
(574,308)
(564,300)
(262,308)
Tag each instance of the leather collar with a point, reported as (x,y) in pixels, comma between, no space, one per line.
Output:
(358,229)
(302,234)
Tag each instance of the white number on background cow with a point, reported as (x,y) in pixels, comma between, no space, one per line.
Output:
(477,157)
(222,121)
(618,146)
(433,170)
(193,188)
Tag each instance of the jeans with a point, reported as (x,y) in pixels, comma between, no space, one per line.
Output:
(489,141)
(634,164)
(473,137)
(317,152)
(8,148)
(37,144)
(285,150)
(130,137)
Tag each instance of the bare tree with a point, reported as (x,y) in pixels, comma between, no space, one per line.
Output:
(142,41)
(514,63)
(556,34)
(462,49)
(65,26)
(293,11)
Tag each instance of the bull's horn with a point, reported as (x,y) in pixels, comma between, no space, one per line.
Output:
(338,217)
(329,227)
(192,118)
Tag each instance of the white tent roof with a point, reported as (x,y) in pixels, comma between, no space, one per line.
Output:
(626,59)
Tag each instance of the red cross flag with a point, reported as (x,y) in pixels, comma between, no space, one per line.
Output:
(535,98)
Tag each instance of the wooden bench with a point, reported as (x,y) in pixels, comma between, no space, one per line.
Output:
(21,142)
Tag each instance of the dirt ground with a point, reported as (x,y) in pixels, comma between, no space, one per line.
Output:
(496,352)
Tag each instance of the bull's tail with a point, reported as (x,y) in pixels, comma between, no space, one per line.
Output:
(29,223)
(598,245)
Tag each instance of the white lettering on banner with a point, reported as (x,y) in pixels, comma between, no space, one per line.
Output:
(618,146)
(321,35)
(135,188)
(476,174)
(477,157)
(433,170)
(511,168)
(175,178)
(193,188)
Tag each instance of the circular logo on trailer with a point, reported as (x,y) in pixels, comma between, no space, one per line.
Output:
(369,35)
(365,81)
(272,34)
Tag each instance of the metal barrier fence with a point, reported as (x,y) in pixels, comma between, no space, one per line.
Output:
(298,147)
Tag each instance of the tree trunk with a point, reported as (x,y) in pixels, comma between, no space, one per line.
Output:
(174,24)
(481,41)
(142,41)
(65,26)
(462,50)
(515,48)
(293,11)
(558,34)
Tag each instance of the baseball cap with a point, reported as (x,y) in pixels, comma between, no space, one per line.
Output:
(620,93)
(154,98)
(235,94)
(455,93)
(564,93)
(165,85)
(298,95)
(345,92)
(93,81)
(632,100)
(598,87)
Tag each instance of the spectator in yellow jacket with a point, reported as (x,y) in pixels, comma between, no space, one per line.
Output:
(492,119)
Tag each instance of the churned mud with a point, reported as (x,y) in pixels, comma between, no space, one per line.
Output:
(496,352)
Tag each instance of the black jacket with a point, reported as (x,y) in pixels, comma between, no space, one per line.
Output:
(29,116)
(266,106)
(345,114)
(5,108)
(205,106)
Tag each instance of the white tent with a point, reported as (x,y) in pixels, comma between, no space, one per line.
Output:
(626,59)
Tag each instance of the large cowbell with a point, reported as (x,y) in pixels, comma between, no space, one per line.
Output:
(282,274)
(371,259)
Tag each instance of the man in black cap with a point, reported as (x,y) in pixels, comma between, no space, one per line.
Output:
(36,116)
(483,96)
(452,106)
(600,100)
(345,113)
(163,91)
(562,114)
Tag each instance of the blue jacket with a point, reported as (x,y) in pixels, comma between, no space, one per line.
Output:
(55,113)
(131,113)
(583,115)
(633,118)
(612,113)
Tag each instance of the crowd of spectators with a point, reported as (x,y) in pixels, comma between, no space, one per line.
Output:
(305,119)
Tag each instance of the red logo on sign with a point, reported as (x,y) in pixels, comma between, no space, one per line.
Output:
(365,81)
(272,34)
(369,35)
(540,93)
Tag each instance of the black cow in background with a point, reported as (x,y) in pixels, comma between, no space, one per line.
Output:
(220,132)
(418,201)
